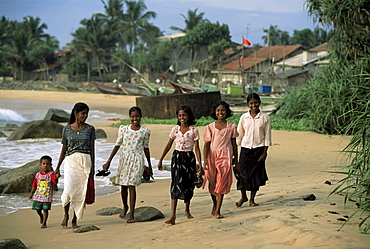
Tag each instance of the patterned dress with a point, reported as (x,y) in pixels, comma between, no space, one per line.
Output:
(132,162)
(219,173)
(183,163)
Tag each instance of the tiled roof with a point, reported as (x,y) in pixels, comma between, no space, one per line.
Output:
(245,63)
(321,48)
(262,54)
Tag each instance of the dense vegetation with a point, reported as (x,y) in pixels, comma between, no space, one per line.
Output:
(124,34)
(337,101)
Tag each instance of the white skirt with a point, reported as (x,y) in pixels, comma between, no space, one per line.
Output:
(76,174)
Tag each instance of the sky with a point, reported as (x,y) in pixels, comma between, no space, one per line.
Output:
(246,18)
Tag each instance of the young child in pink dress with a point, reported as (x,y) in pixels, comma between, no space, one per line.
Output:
(42,190)
(219,150)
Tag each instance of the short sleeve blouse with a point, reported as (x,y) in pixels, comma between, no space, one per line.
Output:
(78,141)
(184,142)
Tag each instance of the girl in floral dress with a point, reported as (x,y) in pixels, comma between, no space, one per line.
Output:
(219,150)
(183,163)
(134,140)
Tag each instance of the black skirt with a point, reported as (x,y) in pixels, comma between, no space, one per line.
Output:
(183,173)
(253,173)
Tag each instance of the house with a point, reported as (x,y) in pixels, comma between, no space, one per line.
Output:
(256,66)
(298,69)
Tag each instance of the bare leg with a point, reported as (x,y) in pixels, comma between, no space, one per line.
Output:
(251,201)
(45,218)
(187,210)
(220,198)
(132,190)
(243,198)
(214,200)
(173,210)
(66,215)
(39,212)
(124,198)
(74,221)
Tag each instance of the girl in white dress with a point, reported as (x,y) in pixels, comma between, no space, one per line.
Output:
(134,140)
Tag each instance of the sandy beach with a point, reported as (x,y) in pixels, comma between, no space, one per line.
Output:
(295,165)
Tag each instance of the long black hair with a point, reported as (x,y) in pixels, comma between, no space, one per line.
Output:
(187,109)
(78,107)
(229,113)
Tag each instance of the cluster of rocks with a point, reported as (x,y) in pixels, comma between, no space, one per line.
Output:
(18,180)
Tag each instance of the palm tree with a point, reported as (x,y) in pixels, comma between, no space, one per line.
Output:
(273,36)
(191,20)
(35,28)
(17,50)
(136,24)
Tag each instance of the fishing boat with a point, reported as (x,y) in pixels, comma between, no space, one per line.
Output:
(180,87)
(122,89)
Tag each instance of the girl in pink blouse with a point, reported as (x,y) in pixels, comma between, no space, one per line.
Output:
(219,149)
(183,163)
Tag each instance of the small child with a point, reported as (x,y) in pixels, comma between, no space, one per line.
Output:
(42,190)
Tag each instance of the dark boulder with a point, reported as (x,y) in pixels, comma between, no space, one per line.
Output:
(37,129)
(19,180)
(2,134)
(85,229)
(12,243)
(146,214)
(10,127)
(108,211)
(57,115)
(100,133)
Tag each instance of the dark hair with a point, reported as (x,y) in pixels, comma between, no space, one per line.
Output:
(78,107)
(229,113)
(187,109)
(46,157)
(253,96)
(134,109)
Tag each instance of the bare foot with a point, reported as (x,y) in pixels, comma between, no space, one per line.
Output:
(253,204)
(188,215)
(74,223)
(65,221)
(130,221)
(240,202)
(213,211)
(123,213)
(170,221)
(43,226)
(219,216)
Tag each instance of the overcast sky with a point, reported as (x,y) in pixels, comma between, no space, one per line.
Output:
(245,17)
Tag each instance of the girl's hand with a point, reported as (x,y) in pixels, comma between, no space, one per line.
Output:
(237,167)
(150,170)
(205,165)
(57,175)
(200,171)
(30,197)
(262,157)
(159,165)
(106,165)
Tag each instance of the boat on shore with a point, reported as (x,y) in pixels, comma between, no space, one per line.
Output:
(181,87)
(122,89)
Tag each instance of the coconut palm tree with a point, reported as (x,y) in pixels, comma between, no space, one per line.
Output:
(137,27)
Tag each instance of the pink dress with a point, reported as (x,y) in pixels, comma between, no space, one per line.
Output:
(219,173)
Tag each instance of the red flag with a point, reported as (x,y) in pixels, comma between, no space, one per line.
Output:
(246,42)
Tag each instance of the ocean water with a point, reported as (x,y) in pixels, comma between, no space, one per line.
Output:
(14,154)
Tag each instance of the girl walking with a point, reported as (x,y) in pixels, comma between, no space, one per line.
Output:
(219,150)
(78,154)
(254,137)
(183,163)
(134,140)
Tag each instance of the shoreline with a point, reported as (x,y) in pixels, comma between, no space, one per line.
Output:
(295,167)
